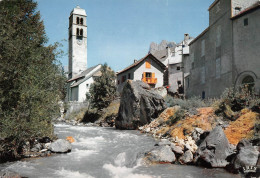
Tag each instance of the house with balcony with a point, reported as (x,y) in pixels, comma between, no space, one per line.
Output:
(148,69)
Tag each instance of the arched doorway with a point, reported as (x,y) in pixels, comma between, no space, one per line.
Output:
(248,82)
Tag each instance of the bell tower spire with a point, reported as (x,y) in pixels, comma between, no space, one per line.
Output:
(77,41)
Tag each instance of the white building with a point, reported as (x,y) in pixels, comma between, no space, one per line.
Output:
(77,42)
(80,77)
(80,84)
(175,65)
(148,69)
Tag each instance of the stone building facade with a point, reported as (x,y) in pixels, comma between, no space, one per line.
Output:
(226,54)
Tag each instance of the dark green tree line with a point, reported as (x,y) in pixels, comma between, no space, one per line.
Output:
(31,79)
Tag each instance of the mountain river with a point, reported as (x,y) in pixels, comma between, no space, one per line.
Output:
(105,153)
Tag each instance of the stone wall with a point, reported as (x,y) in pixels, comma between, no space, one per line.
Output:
(240,5)
(73,106)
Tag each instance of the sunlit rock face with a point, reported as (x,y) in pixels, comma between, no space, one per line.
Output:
(138,106)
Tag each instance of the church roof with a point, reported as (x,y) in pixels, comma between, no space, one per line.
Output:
(77,10)
(83,74)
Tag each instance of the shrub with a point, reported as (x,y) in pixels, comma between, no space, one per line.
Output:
(194,102)
(178,115)
(234,100)
(103,90)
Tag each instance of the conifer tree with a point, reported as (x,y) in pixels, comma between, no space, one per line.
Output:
(103,90)
(31,82)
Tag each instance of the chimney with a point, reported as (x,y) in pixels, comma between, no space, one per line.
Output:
(186,37)
(135,61)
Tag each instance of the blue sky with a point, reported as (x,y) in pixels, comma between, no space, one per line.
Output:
(120,31)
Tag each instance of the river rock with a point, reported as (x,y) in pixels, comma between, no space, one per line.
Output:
(9,174)
(60,146)
(161,154)
(139,104)
(247,155)
(190,145)
(186,158)
(164,142)
(196,134)
(37,147)
(176,149)
(214,150)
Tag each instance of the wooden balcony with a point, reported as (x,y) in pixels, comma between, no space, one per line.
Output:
(150,80)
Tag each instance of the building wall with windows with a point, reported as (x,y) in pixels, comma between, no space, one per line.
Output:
(221,52)
(246,41)
(147,69)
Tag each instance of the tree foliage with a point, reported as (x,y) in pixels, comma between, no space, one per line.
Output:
(31,80)
(103,90)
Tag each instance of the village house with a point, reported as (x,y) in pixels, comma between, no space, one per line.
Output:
(171,55)
(226,54)
(79,85)
(79,77)
(148,69)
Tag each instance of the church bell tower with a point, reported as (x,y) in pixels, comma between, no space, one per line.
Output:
(77,42)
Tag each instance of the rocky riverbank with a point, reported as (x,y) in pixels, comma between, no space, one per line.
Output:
(41,147)
(222,136)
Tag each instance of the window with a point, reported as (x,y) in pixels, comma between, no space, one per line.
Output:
(118,82)
(87,85)
(81,21)
(178,82)
(77,20)
(129,76)
(77,32)
(218,40)
(123,79)
(202,48)
(81,32)
(202,75)
(246,22)
(203,95)
(147,65)
(148,75)
(178,68)
(192,60)
(218,68)
(248,82)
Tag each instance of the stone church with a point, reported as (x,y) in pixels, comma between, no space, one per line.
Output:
(80,77)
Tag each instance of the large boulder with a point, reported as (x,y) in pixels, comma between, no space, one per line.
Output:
(138,105)
(161,154)
(247,156)
(60,146)
(214,150)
